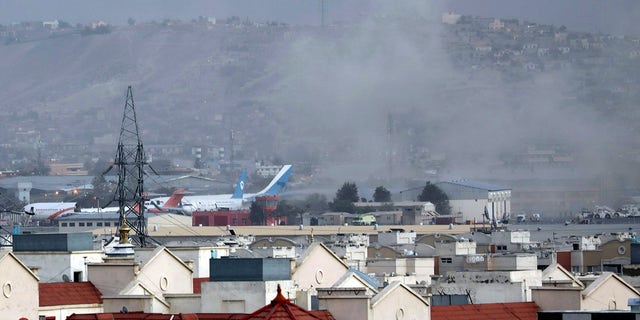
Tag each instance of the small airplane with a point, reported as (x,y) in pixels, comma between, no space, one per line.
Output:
(236,201)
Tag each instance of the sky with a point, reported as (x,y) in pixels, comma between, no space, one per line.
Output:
(606,16)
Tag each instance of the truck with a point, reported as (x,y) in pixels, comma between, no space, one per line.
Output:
(364,220)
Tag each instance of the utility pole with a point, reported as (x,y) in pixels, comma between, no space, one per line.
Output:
(130,160)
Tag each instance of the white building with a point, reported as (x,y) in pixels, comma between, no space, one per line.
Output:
(469,199)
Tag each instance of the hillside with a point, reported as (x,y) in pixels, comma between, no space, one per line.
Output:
(395,90)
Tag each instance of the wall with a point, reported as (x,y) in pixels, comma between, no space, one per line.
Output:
(319,269)
(18,290)
(184,303)
(242,296)
(164,274)
(345,304)
(62,312)
(610,295)
(53,265)
(400,304)
(111,278)
(557,298)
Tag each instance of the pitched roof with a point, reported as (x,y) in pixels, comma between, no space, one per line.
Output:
(307,252)
(392,287)
(495,311)
(554,268)
(156,316)
(68,293)
(10,255)
(281,308)
(602,279)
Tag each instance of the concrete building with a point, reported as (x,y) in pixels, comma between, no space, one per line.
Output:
(142,284)
(19,298)
(57,257)
(396,237)
(317,267)
(513,241)
(490,286)
(239,285)
(395,301)
(607,292)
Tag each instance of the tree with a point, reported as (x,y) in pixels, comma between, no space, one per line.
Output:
(381,194)
(435,195)
(348,192)
(256,214)
(345,197)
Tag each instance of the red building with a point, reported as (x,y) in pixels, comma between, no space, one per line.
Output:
(239,217)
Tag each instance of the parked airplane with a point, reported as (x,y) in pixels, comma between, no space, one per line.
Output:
(236,201)
(53,210)
(48,210)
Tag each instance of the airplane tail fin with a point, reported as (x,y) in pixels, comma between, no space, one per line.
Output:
(279,182)
(238,192)
(176,197)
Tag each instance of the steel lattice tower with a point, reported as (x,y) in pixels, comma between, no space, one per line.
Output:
(130,161)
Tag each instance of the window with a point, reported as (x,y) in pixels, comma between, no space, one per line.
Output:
(80,224)
(446,260)
(72,224)
(98,224)
(64,224)
(576,246)
(501,247)
(593,268)
(244,221)
(89,224)
(107,224)
(235,221)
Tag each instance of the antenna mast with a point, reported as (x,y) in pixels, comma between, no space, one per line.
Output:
(130,160)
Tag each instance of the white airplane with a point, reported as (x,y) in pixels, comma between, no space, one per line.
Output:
(52,210)
(49,210)
(236,201)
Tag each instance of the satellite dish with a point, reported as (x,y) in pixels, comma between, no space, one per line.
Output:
(65,278)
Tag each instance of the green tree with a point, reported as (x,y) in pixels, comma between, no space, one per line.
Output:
(381,194)
(435,195)
(345,197)
(256,214)
(348,192)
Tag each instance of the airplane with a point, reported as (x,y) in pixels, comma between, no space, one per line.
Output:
(172,205)
(238,200)
(49,210)
(52,210)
